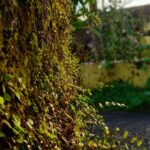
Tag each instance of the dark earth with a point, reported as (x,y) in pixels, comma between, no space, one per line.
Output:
(136,123)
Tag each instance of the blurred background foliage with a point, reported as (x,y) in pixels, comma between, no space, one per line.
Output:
(121,96)
(107,34)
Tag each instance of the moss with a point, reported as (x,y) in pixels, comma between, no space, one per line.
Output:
(40,69)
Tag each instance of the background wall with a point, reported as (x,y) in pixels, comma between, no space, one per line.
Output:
(96,75)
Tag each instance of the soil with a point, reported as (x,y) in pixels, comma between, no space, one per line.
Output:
(136,123)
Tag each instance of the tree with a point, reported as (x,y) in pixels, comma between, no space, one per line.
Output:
(114,37)
(118,35)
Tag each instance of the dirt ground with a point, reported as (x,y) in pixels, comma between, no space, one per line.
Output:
(136,123)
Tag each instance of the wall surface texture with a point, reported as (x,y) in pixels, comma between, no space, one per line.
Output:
(95,75)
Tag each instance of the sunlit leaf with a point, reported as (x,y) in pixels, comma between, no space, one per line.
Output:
(139,143)
(50,135)
(3,87)
(133,139)
(20,139)
(106,130)
(68,116)
(7,123)
(17,123)
(30,123)
(72,107)
(125,135)
(1,100)
(17,93)
(117,129)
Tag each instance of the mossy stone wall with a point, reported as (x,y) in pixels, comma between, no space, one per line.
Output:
(37,74)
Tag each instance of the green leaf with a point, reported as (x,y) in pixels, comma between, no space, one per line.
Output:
(125,135)
(16,131)
(30,123)
(72,107)
(2,135)
(139,143)
(7,97)
(117,129)
(133,139)
(50,135)
(7,123)
(17,93)
(20,139)
(8,77)
(17,123)
(3,87)
(1,100)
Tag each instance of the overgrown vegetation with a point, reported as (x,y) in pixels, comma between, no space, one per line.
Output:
(119,35)
(113,34)
(39,106)
(87,118)
(121,96)
(37,75)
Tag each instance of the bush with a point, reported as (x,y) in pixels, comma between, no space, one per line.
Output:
(112,34)
(121,96)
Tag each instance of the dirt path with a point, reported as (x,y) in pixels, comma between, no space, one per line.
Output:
(136,123)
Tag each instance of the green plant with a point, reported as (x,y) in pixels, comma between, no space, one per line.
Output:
(37,76)
(115,36)
(132,98)
(37,71)
(87,117)
(118,34)
(83,13)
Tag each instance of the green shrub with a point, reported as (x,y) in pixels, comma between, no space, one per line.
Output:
(127,96)
(109,34)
